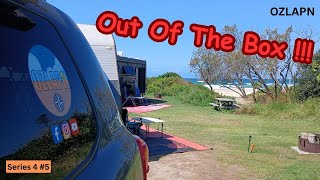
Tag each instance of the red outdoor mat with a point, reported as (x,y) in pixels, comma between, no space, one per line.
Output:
(163,144)
(149,108)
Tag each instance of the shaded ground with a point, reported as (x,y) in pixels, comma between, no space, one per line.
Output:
(161,144)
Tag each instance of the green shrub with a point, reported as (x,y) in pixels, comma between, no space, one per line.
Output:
(308,82)
(151,80)
(170,74)
(171,84)
(196,95)
(154,88)
(284,110)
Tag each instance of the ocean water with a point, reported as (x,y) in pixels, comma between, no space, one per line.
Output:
(246,82)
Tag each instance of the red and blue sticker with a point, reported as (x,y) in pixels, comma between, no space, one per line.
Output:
(65,130)
(50,80)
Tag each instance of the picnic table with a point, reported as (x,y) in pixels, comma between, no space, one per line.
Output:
(147,121)
(224,103)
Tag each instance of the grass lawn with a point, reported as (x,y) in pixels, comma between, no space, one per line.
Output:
(227,134)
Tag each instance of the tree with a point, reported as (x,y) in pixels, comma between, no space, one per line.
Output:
(273,68)
(235,63)
(207,64)
(308,81)
(234,67)
(305,32)
(256,68)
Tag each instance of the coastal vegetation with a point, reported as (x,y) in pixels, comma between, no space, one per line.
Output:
(302,101)
(287,105)
(234,67)
(309,80)
(171,84)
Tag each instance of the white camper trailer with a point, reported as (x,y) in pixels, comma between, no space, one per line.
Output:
(123,72)
(105,50)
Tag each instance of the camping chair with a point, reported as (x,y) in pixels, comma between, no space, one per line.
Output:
(137,99)
(128,98)
(134,127)
(141,100)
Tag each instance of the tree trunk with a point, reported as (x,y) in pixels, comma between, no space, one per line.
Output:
(253,86)
(208,84)
(254,95)
(262,81)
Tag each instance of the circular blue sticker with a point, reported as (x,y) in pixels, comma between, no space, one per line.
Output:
(49,80)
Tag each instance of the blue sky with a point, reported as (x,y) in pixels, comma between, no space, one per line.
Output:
(162,57)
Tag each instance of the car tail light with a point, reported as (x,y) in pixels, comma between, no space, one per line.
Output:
(144,153)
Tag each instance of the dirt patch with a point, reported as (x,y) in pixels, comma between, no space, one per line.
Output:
(195,165)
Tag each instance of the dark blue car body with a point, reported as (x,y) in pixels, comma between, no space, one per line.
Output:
(49,77)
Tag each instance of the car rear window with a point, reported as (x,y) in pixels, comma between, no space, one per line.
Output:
(45,111)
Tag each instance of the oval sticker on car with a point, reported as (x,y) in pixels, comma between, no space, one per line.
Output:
(49,80)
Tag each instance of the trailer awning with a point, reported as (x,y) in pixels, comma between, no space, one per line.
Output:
(129,70)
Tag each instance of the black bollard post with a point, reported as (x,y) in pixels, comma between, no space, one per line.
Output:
(250,137)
